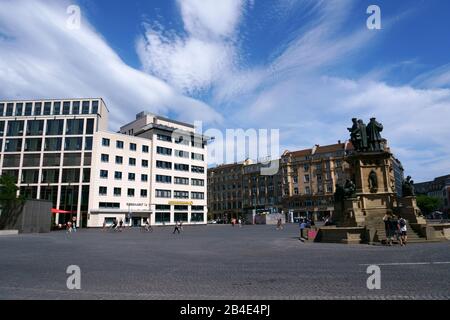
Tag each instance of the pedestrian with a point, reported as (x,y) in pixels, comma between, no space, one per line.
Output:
(120,225)
(279,227)
(181,225)
(403,231)
(114,224)
(74,224)
(176,228)
(302,228)
(387,228)
(69,227)
(240,222)
(104,225)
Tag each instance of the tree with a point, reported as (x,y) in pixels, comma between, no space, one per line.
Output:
(428,204)
(10,204)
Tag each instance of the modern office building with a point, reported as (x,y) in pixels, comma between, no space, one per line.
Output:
(439,188)
(62,151)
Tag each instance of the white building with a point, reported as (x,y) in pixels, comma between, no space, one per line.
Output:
(60,150)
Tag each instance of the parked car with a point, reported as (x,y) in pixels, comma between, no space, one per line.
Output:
(212,222)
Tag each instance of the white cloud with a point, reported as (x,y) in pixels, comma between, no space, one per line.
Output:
(41,58)
(194,61)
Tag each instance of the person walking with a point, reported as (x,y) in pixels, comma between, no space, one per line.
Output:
(69,227)
(120,225)
(177,228)
(240,223)
(74,224)
(387,228)
(302,229)
(104,225)
(403,231)
(279,225)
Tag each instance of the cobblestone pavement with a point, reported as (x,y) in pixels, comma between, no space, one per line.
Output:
(216,262)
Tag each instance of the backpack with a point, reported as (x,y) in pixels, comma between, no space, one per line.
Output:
(402,222)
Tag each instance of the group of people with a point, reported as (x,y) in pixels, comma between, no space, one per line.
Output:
(305,223)
(235,221)
(71,225)
(395,227)
(116,226)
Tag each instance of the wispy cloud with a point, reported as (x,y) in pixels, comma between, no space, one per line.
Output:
(41,58)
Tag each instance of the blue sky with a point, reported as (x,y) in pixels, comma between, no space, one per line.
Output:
(305,67)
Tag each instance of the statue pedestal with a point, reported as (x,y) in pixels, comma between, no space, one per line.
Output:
(409,210)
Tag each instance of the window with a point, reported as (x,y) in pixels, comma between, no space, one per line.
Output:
(28,109)
(163,179)
(295,190)
(103,191)
(30,176)
(86,105)
(71,175)
(197,208)
(105,158)
(198,195)
(13,145)
(73,144)
(145,163)
(119,160)
(95,107)
(74,127)
(52,160)
(306,178)
(118,175)
(9,109)
(181,167)
(181,216)
(105,142)
(162,217)
(164,165)
(76,107)
(2,109)
(2,128)
(35,127)
(197,156)
(145,149)
(164,151)
(117,192)
(37,108)
(197,169)
(86,174)
(198,182)
(305,167)
(307,190)
(130,192)
(50,176)
(179,180)
(182,140)
(33,145)
(90,126)
(109,205)
(133,146)
(131,177)
(181,195)
(88,143)
(119,144)
(104,174)
(144,177)
(19,109)
(55,127)
(56,108)
(15,128)
(144,193)
(66,107)
(132,161)
(181,154)
(163,193)
(162,137)
(197,217)
(163,207)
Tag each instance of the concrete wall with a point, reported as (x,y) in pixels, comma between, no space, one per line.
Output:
(35,217)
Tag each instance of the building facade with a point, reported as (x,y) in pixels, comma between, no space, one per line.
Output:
(310,177)
(61,150)
(438,188)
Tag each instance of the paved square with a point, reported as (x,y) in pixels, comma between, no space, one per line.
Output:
(215,262)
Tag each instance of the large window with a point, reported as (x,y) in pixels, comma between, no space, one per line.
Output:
(71,175)
(109,205)
(164,165)
(73,144)
(66,107)
(89,126)
(181,154)
(13,145)
(37,108)
(163,193)
(164,151)
(33,145)
(28,109)
(47,108)
(163,137)
(88,143)
(198,195)
(95,107)
(9,109)
(35,127)
(198,182)
(53,144)
(57,108)
(72,159)
(163,179)
(19,109)
(197,156)
(86,107)
(55,127)
(52,160)
(197,169)
(162,217)
(50,175)
(181,167)
(74,127)
(76,107)
(197,216)
(181,216)
(30,176)
(181,194)
(12,160)
(180,180)
(15,128)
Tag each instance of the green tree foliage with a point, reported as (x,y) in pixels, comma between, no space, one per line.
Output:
(10,204)
(428,204)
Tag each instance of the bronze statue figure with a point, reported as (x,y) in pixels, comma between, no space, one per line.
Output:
(373,181)
(373,135)
(349,189)
(408,187)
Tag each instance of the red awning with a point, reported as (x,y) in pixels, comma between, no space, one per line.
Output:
(62,211)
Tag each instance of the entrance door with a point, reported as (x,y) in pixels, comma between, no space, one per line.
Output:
(136,222)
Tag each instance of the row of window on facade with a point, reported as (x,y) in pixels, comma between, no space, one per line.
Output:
(179,167)
(103,191)
(119,160)
(318,166)
(46,144)
(48,160)
(33,176)
(179,153)
(48,108)
(15,128)
(120,145)
(182,140)
(179,180)
(160,217)
(311,203)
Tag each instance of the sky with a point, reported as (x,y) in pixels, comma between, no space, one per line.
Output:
(304,67)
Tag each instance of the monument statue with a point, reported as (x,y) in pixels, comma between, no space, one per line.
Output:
(373,135)
(408,187)
(364,144)
(373,181)
(349,189)
(353,133)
